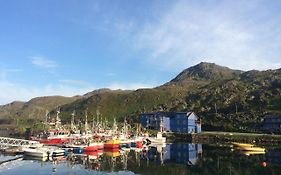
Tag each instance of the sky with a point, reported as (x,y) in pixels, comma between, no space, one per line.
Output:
(71,47)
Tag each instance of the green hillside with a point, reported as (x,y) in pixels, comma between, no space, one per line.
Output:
(225,99)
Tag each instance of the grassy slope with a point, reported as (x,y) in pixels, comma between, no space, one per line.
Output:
(199,88)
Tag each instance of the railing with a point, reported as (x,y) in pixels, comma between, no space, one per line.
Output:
(6,141)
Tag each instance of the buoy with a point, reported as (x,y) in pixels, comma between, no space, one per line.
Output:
(263,164)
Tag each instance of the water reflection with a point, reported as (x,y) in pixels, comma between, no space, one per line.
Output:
(137,159)
(184,153)
(273,156)
(172,159)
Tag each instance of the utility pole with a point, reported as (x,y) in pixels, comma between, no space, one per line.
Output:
(216,109)
(236,108)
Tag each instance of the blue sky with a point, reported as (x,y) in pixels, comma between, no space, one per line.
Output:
(71,47)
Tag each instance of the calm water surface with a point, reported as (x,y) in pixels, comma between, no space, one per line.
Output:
(172,159)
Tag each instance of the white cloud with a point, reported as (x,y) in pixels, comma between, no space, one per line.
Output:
(6,72)
(17,92)
(241,35)
(72,81)
(129,86)
(111,74)
(43,62)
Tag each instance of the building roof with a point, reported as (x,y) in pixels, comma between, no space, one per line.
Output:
(272,116)
(170,114)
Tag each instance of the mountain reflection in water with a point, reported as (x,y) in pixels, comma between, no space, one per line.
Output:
(172,159)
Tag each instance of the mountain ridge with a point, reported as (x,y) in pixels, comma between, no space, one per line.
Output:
(248,95)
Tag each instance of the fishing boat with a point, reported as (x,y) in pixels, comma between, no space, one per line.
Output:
(91,147)
(158,139)
(54,137)
(159,136)
(58,135)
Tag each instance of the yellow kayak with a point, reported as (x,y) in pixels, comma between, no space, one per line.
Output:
(257,149)
(252,152)
(242,144)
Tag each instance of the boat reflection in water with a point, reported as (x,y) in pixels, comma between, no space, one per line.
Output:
(172,159)
(138,158)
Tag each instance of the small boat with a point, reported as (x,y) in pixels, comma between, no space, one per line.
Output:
(78,150)
(100,145)
(36,152)
(92,155)
(137,144)
(43,159)
(247,147)
(91,147)
(112,144)
(56,152)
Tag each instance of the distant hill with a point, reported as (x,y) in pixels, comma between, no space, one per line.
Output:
(225,99)
(206,71)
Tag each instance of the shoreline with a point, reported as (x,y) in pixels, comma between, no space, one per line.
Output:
(224,137)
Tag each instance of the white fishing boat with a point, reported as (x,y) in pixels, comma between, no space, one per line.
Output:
(43,151)
(158,139)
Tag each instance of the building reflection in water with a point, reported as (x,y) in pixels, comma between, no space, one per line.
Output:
(273,156)
(180,153)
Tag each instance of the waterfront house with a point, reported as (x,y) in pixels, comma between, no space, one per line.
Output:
(272,124)
(184,122)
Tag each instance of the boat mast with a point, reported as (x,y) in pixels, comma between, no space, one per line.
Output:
(46,119)
(161,124)
(98,114)
(73,121)
(86,120)
(58,120)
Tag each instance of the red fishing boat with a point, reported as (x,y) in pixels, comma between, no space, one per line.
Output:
(54,137)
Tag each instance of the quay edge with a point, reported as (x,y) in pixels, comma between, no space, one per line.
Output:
(212,137)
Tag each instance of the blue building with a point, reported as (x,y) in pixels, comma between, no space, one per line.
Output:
(272,123)
(185,122)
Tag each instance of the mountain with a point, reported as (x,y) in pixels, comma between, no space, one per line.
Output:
(206,71)
(225,99)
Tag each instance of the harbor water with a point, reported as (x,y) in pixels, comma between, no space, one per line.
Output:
(171,159)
